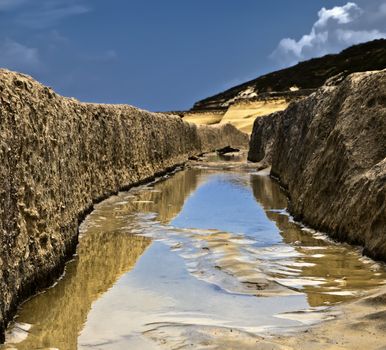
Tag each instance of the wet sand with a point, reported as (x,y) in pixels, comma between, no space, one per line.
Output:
(357,325)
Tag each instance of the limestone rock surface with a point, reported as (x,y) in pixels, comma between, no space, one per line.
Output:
(329,151)
(59,156)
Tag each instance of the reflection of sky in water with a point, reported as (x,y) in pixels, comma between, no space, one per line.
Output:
(215,250)
(159,291)
(224,203)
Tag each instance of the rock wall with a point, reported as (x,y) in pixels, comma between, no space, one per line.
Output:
(329,152)
(58,157)
(262,139)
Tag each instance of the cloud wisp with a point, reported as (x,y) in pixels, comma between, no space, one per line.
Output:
(7,5)
(17,56)
(335,29)
(28,31)
(41,14)
(45,16)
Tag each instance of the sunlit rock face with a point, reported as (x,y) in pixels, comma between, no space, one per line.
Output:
(58,156)
(329,152)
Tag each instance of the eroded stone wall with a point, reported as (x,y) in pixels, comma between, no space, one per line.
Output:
(59,156)
(329,151)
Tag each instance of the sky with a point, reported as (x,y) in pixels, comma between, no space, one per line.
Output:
(166,55)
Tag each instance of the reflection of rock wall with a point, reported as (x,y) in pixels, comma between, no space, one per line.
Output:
(329,152)
(174,193)
(106,250)
(59,314)
(57,157)
(165,200)
(337,265)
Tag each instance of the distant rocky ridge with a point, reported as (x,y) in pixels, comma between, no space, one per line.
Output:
(59,156)
(329,152)
(307,75)
(260,96)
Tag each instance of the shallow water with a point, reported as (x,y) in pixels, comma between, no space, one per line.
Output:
(177,263)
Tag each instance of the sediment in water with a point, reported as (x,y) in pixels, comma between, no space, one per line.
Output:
(329,151)
(58,157)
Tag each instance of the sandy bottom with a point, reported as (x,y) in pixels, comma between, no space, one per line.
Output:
(359,325)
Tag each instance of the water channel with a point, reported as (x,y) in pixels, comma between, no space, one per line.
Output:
(206,254)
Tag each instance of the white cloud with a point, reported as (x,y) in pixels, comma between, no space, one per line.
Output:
(16,56)
(358,36)
(340,14)
(335,29)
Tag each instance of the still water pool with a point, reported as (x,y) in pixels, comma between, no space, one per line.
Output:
(179,263)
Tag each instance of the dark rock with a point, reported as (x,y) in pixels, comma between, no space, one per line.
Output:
(262,139)
(227,149)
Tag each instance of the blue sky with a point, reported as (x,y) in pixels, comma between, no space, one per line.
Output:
(165,55)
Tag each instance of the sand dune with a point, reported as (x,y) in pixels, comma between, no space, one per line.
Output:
(241,114)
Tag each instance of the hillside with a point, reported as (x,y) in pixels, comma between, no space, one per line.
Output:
(305,75)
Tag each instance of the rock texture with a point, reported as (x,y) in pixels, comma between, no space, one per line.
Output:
(59,156)
(262,139)
(329,152)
